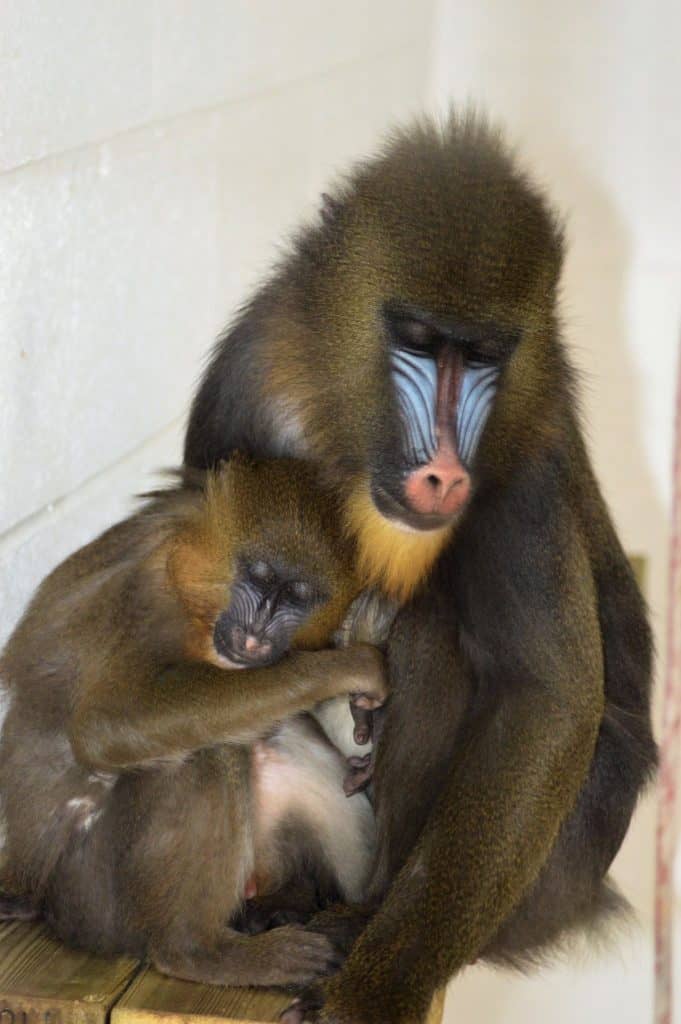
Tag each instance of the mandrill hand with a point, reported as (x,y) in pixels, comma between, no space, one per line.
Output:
(368,622)
(318,1006)
(368,726)
(363,718)
(304,1008)
(365,990)
(360,774)
(366,681)
(312,1007)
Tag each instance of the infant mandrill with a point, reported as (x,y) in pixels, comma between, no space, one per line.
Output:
(160,783)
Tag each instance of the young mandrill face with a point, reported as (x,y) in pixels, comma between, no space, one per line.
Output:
(269,602)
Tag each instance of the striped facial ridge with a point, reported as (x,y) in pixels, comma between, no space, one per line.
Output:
(415,377)
(477,389)
(265,610)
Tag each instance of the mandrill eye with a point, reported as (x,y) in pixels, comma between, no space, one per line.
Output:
(412,335)
(417,335)
(260,571)
(477,358)
(299,591)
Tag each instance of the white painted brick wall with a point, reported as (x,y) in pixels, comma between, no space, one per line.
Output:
(71,73)
(151,156)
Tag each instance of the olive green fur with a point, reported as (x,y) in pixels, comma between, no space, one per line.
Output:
(518,735)
(126,764)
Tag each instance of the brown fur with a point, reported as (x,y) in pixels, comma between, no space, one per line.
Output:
(143,786)
(518,736)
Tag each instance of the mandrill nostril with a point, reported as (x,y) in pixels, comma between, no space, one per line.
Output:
(442,485)
(238,642)
(249,645)
(238,638)
(254,645)
(440,488)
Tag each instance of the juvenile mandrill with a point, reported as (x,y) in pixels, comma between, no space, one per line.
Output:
(409,348)
(156,789)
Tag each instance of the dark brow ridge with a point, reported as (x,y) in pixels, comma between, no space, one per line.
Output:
(465,331)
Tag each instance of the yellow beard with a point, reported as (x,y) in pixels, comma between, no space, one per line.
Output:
(388,557)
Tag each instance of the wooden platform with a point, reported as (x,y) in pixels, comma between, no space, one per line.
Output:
(43,982)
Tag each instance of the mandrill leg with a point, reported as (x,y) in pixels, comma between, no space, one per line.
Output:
(186,875)
(287,956)
(293,903)
(341,924)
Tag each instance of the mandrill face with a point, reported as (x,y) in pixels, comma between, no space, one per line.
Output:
(444,378)
(416,315)
(407,345)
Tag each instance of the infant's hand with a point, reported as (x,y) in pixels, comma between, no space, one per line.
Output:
(368,679)
(363,720)
(359,775)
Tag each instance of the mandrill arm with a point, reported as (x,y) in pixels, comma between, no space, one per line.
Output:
(515,772)
(193,705)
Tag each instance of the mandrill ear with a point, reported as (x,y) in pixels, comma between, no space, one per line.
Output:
(329,209)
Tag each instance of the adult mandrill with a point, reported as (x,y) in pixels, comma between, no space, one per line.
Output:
(409,347)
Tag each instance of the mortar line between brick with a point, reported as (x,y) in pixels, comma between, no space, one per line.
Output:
(212,108)
(26,527)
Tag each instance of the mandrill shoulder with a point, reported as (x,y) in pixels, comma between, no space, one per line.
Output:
(234,408)
(514,567)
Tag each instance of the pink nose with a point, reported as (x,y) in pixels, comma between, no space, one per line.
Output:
(440,488)
(254,643)
(247,643)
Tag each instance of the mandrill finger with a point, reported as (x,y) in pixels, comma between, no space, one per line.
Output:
(304,1008)
(360,773)
(294,1014)
(363,719)
(366,701)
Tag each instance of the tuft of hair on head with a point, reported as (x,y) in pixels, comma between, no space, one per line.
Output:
(180,478)
(395,560)
(221,487)
(444,187)
(329,208)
